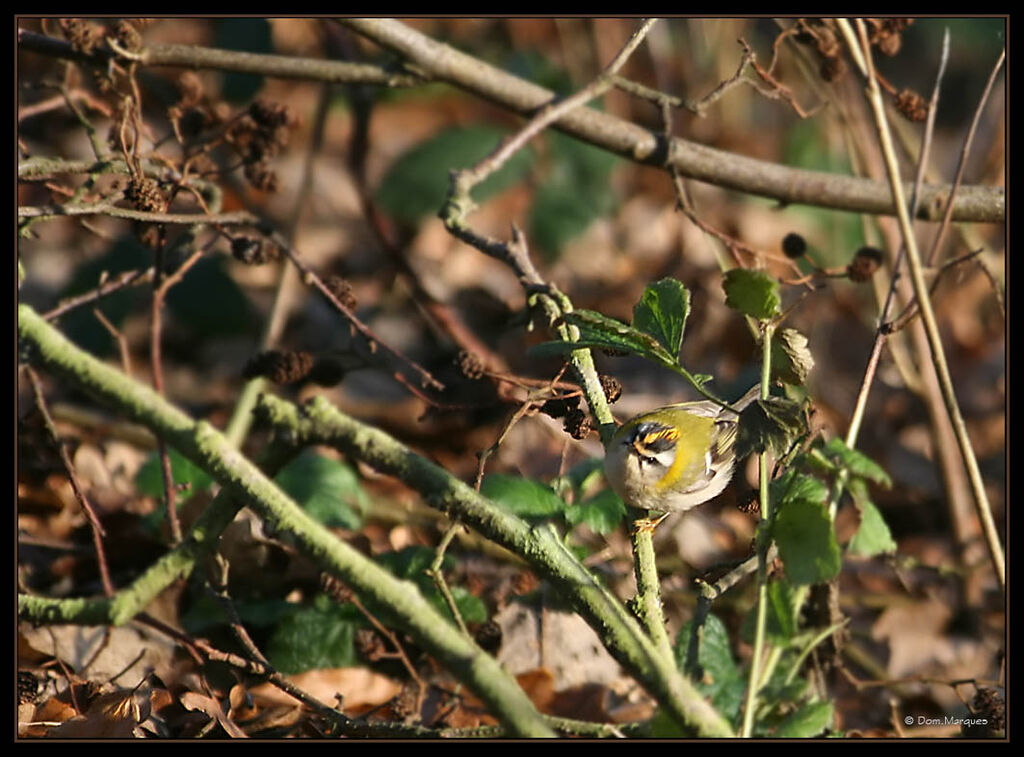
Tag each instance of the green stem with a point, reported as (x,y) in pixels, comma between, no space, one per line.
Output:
(763,543)
(648,590)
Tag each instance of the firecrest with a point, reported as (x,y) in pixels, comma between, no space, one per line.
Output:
(675,457)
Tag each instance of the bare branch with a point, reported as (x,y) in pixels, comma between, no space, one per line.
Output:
(695,161)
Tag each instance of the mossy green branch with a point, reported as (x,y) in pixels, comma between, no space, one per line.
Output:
(319,422)
(393,599)
(130,601)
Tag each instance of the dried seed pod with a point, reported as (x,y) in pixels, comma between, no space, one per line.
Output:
(827,42)
(270,115)
(990,708)
(82,35)
(488,637)
(577,424)
(557,407)
(611,386)
(127,35)
(470,365)
(144,193)
(191,121)
(28,687)
(864,264)
(911,105)
(832,68)
(885,33)
(335,588)
(253,251)
(404,705)
(794,245)
(279,367)
(342,290)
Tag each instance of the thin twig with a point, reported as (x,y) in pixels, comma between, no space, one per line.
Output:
(241,417)
(880,332)
(964,152)
(156,367)
(236,218)
(122,343)
(982,506)
(59,100)
(436,573)
(313,279)
(911,311)
(776,88)
(441,315)
(555,110)
(76,486)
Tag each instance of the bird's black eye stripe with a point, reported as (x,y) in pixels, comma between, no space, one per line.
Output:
(654,437)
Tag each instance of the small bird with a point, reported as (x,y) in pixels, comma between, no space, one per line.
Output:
(675,457)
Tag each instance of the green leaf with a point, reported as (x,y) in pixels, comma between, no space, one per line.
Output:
(792,485)
(318,636)
(781,620)
(327,489)
(752,293)
(662,313)
(856,462)
(574,191)
(782,616)
(700,379)
(804,533)
(873,536)
(810,720)
(602,513)
(769,424)
(471,607)
(722,680)
(558,215)
(522,496)
(149,479)
(579,478)
(791,360)
(663,726)
(597,330)
(411,563)
(417,182)
(209,302)
(205,613)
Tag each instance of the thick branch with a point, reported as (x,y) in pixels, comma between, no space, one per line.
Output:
(695,161)
(189,56)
